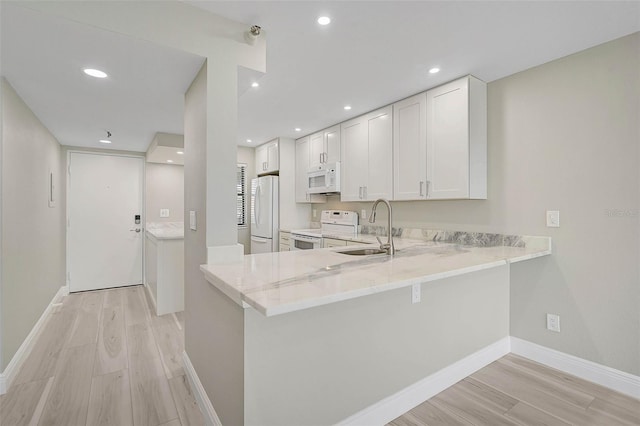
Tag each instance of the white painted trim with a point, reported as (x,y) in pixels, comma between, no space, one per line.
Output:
(204,403)
(217,255)
(611,378)
(153,300)
(399,403)
(10,373)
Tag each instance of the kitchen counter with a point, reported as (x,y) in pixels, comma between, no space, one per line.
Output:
(283,282)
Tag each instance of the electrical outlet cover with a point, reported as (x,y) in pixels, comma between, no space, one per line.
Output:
(553,218)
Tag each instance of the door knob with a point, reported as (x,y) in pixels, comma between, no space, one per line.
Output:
(135,230)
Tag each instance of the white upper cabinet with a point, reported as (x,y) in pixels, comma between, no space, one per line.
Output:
(410,148)
(457,140)
(267,158)
(366,146)
(302,167)
(324,147)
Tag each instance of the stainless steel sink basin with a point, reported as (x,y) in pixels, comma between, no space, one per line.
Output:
(363,251)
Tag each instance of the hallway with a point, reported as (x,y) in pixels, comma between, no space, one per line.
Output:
(104,358)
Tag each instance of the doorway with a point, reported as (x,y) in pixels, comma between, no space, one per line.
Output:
(105,230)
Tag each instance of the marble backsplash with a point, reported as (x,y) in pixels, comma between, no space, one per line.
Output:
(478,239)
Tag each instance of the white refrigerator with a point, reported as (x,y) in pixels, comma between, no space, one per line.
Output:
(264,214)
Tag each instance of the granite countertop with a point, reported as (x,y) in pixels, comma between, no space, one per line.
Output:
(282,282)
(165,230)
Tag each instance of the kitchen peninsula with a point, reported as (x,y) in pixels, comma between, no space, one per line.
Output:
(319,335)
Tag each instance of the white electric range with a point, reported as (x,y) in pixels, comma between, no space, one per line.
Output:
(332,222)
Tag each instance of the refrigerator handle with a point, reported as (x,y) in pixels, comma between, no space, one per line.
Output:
(256,201)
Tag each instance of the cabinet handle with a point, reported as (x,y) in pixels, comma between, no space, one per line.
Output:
(324,157)
(421,184)
(360,193)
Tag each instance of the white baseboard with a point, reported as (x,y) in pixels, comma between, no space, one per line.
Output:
(399,403)
(611,378)
(153,300)
(204,403)
(9,374)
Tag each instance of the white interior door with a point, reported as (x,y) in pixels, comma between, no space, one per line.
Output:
(104,244)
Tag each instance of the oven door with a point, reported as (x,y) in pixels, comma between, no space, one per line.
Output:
(305,242)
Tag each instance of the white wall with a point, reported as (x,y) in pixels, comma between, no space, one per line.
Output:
(164,189)
(563,136)
(33,234)
(247,156)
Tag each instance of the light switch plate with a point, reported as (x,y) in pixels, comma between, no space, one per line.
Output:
(553,219)
(192,220)
(164,212)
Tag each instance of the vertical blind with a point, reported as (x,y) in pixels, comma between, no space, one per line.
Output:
(241,199)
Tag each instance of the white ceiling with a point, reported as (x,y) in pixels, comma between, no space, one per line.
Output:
(374,53)
(43,57)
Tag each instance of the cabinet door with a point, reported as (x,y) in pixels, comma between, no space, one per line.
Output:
(332,144)
(302,167)
(410,148)
(379,182)
(354,167)
(261,159)
(448,141)
(316,150)
(273,156)
(332,242)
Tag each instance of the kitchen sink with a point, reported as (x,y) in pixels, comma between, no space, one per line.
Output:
(362,251)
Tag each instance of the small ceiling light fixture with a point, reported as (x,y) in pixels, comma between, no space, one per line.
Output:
(252,34)
(248,140)
(347,107)
(169,161)
(107,140)
(255,84)
(434,70)
(180,152)
(324,20)
(297,129)
(95,73)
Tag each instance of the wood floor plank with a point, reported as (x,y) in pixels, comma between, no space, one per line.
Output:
(19,404)
(525,414)
(110,400)
(171,344)
(614,412)
(141,344)
(458,403)
(151,396)
(595,390)
(71,301)
(69,397)
(134,306)
(43,359)
(527,391)
(85,330)
(174,422)
(111,351)
(500,402)
(428,414)
(180,317)
(113,297)
(186,404)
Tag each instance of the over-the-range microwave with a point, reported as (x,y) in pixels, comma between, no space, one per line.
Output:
(324,180)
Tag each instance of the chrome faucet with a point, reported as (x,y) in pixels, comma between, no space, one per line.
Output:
(388,247)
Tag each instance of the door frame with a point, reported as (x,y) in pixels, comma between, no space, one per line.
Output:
(68,197)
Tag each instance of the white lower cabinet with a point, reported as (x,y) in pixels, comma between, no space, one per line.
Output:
(285,241)
(367,153)
(332,242)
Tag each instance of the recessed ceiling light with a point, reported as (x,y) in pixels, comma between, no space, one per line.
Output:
(169,161)
(248,140)
(180,152)
(434,70)
(324,20)
(105,141)
(255,84)
(297,129)
(347,107)
(95,73)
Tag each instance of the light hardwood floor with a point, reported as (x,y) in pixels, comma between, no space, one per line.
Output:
(517,391)
(104,358)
